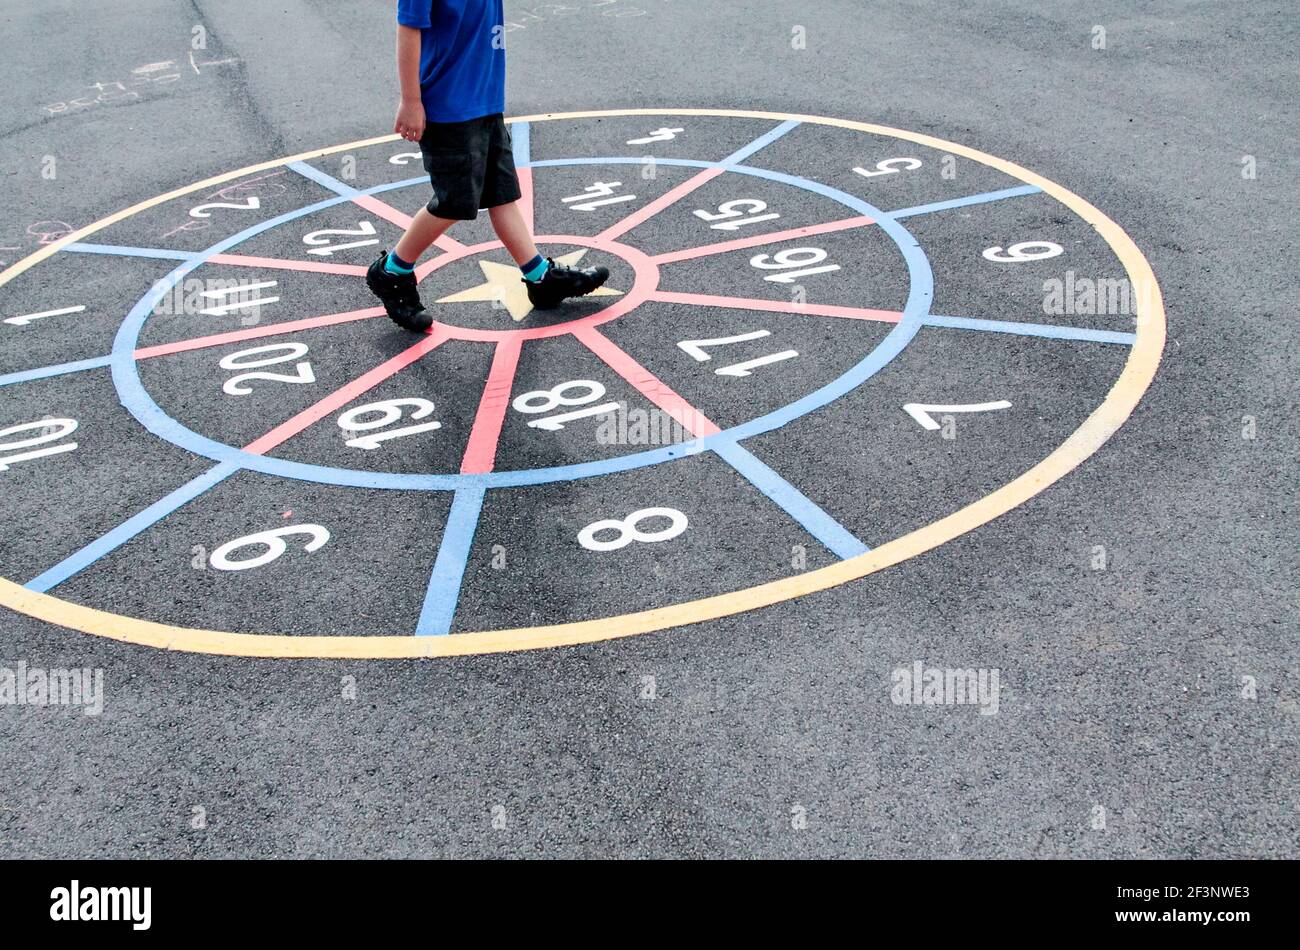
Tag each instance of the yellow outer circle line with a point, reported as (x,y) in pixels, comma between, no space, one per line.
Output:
(1119,403)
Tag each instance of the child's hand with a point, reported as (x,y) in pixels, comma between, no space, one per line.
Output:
(410,120)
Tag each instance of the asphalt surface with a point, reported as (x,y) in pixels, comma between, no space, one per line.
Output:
(771,733)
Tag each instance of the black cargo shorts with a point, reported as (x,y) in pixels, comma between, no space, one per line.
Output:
(471,165)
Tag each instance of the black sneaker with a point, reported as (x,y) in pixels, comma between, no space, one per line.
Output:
(562,281)
(398,294)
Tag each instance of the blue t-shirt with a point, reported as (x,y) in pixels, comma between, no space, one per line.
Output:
(462,56)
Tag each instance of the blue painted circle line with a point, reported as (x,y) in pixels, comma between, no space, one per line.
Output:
(136,399)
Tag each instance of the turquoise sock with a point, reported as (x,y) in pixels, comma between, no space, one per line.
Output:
(535,269)
(395,265)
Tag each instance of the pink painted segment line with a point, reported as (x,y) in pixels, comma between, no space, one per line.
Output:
(344,395)
(481,451)
(777,306)
(723,247)
(253,333)
(386,211)
(276,263)
(645,382)
(383,209)
(525,176)
(665,200)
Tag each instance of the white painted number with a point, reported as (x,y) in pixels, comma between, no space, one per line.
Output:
(603,190)
(239,291)
(793,257)
(25,319)
(551,399)
(274,543)
(628,531)
(52,430)
(658,135)
(921,413)
(729,211)
(695,348)
(891,166)
(240,360)
(404,158)
(1024,251)
(390,411)
(322,241)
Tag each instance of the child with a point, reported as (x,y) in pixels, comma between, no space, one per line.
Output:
(451,65)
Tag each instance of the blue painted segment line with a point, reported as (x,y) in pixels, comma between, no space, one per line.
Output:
(521,134)
(449,569)
(120,251)
(1033,329)
(763,141)
(833,536)
(983,198)
(324,180)
(140,404)
(57,370)
(130,528)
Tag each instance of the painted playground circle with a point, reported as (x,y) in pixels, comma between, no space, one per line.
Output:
(789,255)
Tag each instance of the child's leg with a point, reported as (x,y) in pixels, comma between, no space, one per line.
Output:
(508,222)
(424,230)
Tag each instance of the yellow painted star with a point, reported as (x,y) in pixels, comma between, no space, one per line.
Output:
(502,282)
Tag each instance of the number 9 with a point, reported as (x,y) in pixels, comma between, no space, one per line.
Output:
(1024,251)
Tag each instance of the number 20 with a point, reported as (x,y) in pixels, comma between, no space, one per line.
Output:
(233,386)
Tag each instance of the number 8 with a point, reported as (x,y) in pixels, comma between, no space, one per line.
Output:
(554,398)
(628,531)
